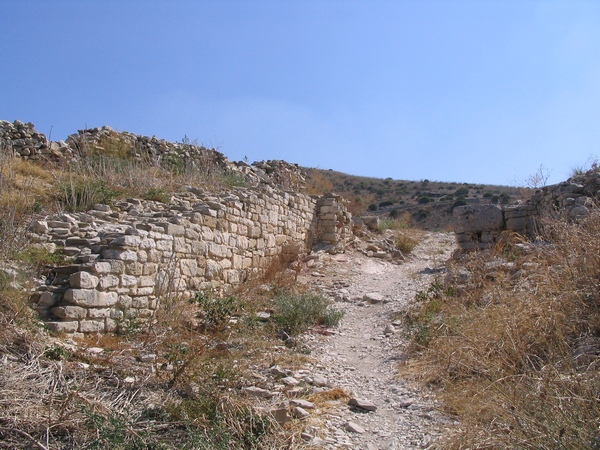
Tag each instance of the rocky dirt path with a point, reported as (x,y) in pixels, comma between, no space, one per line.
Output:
(363,355)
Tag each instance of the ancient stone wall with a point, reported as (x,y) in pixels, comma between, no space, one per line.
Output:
(129,256)
(478,227)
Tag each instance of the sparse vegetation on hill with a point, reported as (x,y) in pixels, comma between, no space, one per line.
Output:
(511,339)
(429,203)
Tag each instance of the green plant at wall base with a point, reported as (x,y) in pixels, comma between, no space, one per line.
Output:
(217,310)
(233,179)
(40,256)
(296,313)
(157,195)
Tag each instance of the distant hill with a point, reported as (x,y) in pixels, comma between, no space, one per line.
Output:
(429,203)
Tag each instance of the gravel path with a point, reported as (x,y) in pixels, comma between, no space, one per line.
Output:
(362,356)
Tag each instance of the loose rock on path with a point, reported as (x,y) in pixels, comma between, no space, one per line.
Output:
(386,412)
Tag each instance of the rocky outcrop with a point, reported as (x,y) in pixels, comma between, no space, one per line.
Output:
(478,227)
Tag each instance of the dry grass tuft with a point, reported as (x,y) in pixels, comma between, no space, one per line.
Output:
(512,339)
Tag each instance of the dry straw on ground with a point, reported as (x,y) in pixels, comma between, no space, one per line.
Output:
(512,341)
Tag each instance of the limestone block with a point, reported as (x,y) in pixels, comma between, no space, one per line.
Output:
(150,289)
(189,267)
(217,250)
(477,218)
(119,254)
(105,267)
(145,281)
(211,221)
(518,223)
(128,281)
(125,301)
(126,241)
(198,247)
(92,326)
(578,212)
(90,297)
(140,302)
(63,327)
(175,230)
(83,280)
(107,282)
(116,314)
(98,313)
(135,268)
(154,256)
(147,244)
(142,256)
(149,268)
(255,232)
(110,325)
(191,234)
(180,245)
(225,263)
(213,270)
(69,312)
(144,313)
(164,245)
(47,299)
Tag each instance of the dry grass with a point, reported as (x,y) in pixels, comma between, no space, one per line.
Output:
(512,341)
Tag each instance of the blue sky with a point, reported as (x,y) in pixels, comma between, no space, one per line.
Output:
(481,91)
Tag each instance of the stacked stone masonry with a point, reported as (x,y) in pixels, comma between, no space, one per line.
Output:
(478,227)
(130,255)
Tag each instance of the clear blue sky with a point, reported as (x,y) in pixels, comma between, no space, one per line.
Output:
(481,91)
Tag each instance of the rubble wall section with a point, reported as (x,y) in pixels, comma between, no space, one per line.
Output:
(478,227)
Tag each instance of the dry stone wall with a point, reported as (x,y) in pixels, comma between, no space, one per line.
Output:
(478,227)
(131,255)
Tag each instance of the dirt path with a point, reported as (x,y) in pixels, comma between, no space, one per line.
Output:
(362,356)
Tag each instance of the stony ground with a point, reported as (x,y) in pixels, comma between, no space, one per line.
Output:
(362,356)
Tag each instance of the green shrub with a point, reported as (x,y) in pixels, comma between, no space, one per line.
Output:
(217,310)
(157,194)
(233,179)
(82,195)
(459,202)
(296,313)
(373,207)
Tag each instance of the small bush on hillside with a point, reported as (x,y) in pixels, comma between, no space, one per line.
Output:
(405,243)
(217,310)
(459,202)
(373,207)
(296,313)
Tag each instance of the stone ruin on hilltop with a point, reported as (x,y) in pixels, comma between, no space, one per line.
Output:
(479,227)
(127,255)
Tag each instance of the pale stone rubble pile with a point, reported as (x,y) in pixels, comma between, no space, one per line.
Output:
(479,227)
(25,141)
